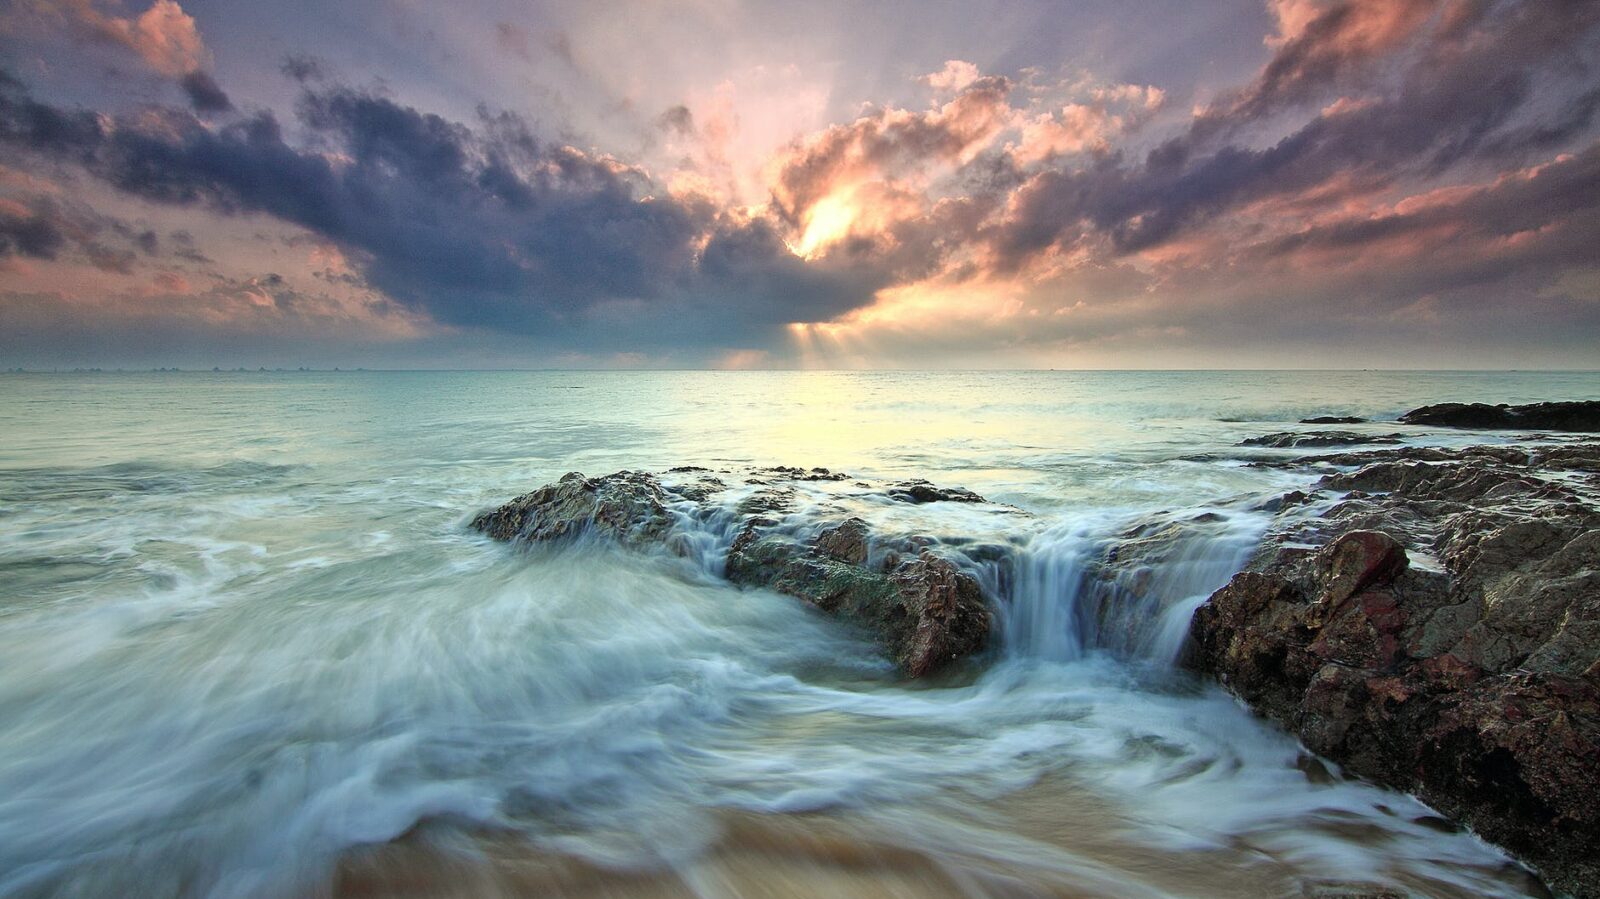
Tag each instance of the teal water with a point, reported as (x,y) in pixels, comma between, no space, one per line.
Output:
(243,628)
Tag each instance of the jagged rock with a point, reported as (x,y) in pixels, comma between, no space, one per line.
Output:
(1571,416)
(920,491)
(1283,501)
(1293,439)
(769,499)
(925,611)
(700,489)
(950,619)
(800,474)
(1473,685)
(846,542)
(1356,561)
(1333,420)
(627,506)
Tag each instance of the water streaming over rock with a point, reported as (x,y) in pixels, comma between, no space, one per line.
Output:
(1102,582)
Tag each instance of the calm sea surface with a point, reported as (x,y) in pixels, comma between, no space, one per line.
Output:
(245,635)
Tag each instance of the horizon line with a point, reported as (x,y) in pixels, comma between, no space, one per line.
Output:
(236,370)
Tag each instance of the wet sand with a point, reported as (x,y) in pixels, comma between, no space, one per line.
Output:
(1047,841)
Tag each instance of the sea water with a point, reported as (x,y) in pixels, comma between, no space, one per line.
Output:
(246,635)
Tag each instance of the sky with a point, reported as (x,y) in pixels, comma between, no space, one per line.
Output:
(831,184)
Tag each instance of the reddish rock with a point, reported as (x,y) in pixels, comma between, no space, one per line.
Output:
(846,542)
(1477,687)
(1358,560)
(951,618)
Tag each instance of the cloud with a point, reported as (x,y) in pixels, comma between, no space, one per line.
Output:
(44,227)
(302,67)
(482,227)
(204,93)
(164,36)
(1405,163)
(513,39)
(1087,126)
(858,182)
(27,233)
(957,75)
(1459,101)
(676,119)
(1322,46)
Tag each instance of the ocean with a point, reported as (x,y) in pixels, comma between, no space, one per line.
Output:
(249,646)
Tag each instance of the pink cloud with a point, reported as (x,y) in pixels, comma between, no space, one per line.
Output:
(164,36)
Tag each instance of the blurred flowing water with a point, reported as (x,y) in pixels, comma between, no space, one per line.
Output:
(244,632)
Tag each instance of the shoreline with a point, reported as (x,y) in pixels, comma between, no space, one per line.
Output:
(1058,840)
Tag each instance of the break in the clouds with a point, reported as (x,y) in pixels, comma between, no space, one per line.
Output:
(1362,182)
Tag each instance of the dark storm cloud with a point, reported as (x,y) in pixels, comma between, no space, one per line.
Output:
(29,234)
(750,261)
(1465,99)
(44,227)
(302,67)
(482,226)
(204,93)
(64,134)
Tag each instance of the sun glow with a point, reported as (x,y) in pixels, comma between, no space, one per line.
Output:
(827,222)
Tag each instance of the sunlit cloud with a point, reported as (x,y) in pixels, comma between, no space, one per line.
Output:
(1421,163)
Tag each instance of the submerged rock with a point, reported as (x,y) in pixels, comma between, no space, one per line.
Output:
(1292,439)
(792,473)
(1333,420)
(1571,416)
(1473,680)
(920,491)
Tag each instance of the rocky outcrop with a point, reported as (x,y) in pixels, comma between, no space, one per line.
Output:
(1333,420)
(1437,628)
(626,506)
(1303,439)
(923,608)
(1573,416)
(920,491)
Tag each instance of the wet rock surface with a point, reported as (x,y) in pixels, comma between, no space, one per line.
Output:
(626,506)
(920,491)
(1430,619)
(1571,416)
(1294,439)
(923,609)
(1333,420)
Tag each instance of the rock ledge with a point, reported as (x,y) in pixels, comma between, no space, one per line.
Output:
(1437,628)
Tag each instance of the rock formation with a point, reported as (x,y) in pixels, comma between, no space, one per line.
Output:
(1572,416)
(1466,669)
(922,608)
(1307,439)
